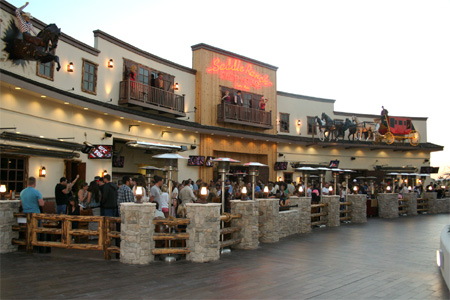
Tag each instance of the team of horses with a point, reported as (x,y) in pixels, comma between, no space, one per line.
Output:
(330,129)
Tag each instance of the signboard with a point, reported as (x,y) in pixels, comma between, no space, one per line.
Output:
(241,74)
(429,170)
(101,152)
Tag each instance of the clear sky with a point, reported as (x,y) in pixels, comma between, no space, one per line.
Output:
(361,53)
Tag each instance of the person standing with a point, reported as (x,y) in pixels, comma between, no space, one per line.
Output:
(109,197)
(159,84)
(62,193)
(155,192)
(124,194)
(31,198)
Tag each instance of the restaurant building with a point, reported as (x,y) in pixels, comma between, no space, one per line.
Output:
(131,105)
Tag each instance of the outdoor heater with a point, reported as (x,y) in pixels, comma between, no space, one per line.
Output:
(305,175)
(347,177)
(335,175)
(253,172)
(322,171)
(394,177)
(149,171)
(223,165)
(171,163)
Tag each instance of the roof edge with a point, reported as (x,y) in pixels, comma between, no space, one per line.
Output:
(305,97)
(229,53)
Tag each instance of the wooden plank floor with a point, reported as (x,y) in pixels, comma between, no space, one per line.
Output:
(382,259)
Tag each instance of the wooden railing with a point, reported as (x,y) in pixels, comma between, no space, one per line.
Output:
(230,113)
(318,212)
(345,211)
(402,206)
(227,229)
(61,227)
(170,238)
(422,205)
(148,97)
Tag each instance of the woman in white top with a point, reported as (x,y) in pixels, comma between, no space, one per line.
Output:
(165,200)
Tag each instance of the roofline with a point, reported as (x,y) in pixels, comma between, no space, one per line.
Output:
(38,87)
(305,97)
(64,37)
(348,114)
(228,53)
(101,34)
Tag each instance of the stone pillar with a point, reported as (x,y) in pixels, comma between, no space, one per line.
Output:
(204,231)
(388,205)
(359,207)
(269,217)
(332,209)
(304,209)
(443,206)
(411,208)
(249,233)
(7,220)
(136,233)
(432,198)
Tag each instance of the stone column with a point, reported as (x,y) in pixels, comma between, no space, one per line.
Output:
(204,231)
(304,209)
(136,233)
(332,209)
(269,220)
(249,233)
(411,202)
(432,198)
(7,220)
(359,208)
(388,205)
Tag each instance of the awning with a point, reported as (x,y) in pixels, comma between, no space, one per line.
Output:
(31,139)
(155,146)
(33,151)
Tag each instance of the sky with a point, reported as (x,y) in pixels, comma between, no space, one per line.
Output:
(362,53)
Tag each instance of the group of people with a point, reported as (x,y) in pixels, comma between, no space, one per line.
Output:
(238,100)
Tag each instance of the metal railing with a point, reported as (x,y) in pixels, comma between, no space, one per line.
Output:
(230,113)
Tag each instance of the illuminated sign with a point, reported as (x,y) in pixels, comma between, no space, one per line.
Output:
(241,74)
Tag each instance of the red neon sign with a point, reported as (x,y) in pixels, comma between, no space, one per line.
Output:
(242,75)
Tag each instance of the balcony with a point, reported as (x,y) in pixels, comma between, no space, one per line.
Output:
(229,113)
(148,97)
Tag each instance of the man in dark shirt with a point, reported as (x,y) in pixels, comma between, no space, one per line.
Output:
(62,191)
(109,197)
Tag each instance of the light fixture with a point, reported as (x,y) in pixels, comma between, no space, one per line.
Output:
(42,172)
(388,188)
(105,172)
(176,86)
(279,178)
(111,63)
(330,189)
(355,189)
(70,67)
(244,193)
(299,122)
(17,88)
(203,194)
(2,191)
(430,188)
(266,191)
(409,188)
(139,193)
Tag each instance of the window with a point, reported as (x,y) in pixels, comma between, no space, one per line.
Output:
(89,80)
(250,100)
(312,128)
(144,76)
(45,70)
(284,122)
(13,173)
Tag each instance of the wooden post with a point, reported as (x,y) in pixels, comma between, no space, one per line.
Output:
(29,233)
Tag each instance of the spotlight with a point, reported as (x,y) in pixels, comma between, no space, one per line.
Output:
(87,148)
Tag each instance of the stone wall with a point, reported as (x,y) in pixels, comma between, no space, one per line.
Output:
(204,231)
(432,199)
(442,206)
(269,220)
(304,209)
(411,202)
(388,205)
(289,223)
(7,220)
(358,207)
(333,210)
(249,233)
(137,232)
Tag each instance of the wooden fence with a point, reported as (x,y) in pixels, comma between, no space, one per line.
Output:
(64,235)
(345,213)
(422,205)
(318,214)
(227,229)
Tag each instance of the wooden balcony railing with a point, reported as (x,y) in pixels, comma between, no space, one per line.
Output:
(148,97)
(230,113)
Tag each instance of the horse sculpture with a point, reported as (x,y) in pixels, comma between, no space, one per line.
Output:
(19,49)
(334,128)
(351,127)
